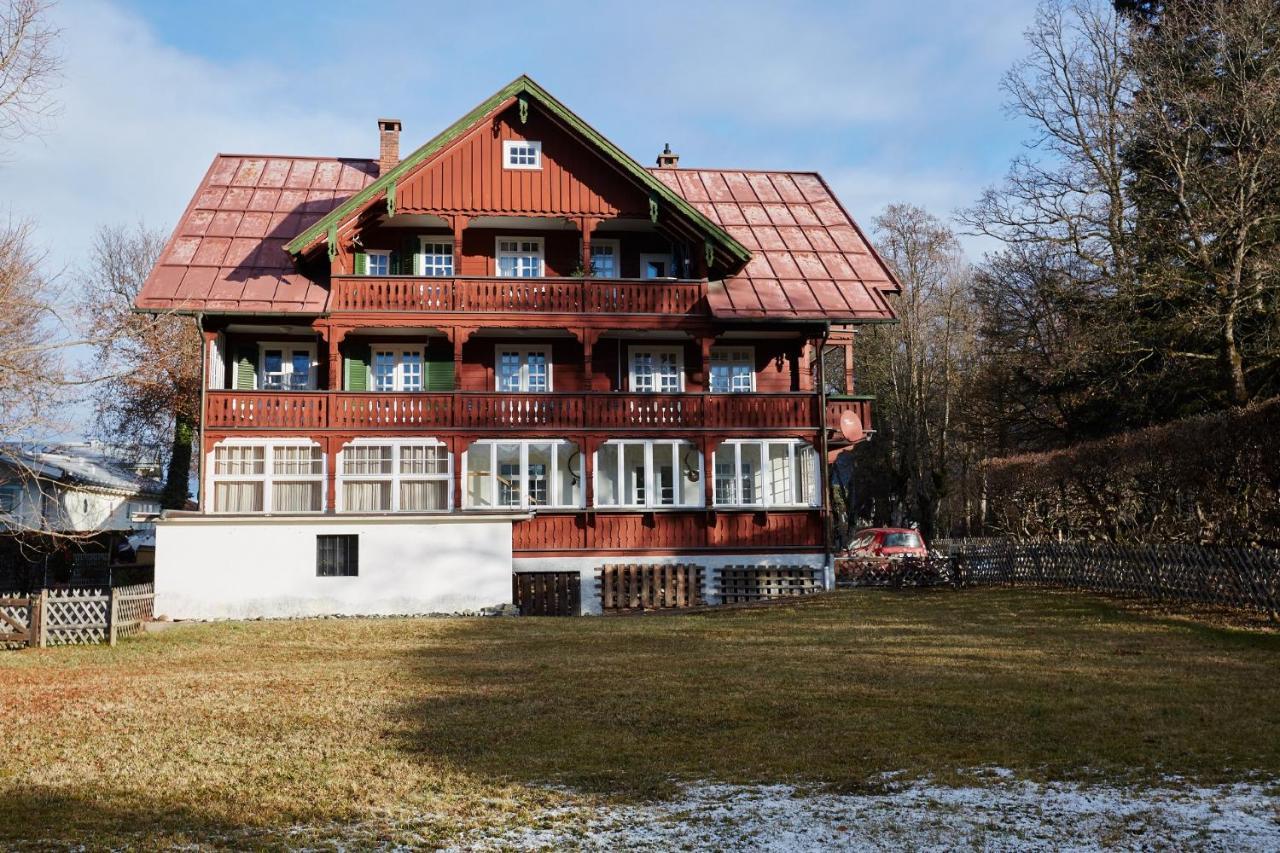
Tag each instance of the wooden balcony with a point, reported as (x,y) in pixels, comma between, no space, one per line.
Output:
(366,294)
(837,406)
(470,410)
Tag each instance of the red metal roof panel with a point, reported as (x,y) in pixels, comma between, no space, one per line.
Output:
(227,252)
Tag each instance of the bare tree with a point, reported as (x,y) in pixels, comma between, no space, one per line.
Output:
(918,369)
(148,398)
(1206,153)
(1068,192)
(31,363)
(29,67)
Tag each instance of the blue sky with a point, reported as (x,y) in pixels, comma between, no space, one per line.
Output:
(891,101)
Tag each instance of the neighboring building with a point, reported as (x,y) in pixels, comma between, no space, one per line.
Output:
(76,488)
(71,513)
(515,349)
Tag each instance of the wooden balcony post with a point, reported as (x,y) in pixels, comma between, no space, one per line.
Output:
(589,444)
(458,337)
(458,224)
(457,445)
(333,337)
(703,382)
(588,226)
(209,337)
(804,368)
(848,366)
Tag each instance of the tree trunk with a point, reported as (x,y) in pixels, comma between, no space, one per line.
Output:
(1232,362)
(179,474)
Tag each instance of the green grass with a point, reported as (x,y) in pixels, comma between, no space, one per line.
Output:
(240,730)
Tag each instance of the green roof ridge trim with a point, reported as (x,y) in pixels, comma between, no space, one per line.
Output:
(522,84)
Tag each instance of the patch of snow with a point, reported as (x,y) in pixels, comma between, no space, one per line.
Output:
(1003,815)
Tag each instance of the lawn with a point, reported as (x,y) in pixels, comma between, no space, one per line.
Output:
(267,733)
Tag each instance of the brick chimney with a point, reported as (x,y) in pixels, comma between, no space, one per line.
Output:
(388,144)
(668,159)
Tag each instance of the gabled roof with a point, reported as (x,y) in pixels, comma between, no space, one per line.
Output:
(521,87)
(809,258)
(82,464)
(227,252)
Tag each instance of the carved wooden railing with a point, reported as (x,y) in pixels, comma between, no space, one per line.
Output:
(839,405)
(350,410)
(554,295)
(267,410)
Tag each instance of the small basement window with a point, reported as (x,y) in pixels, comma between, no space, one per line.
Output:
(338,556)
(521,154)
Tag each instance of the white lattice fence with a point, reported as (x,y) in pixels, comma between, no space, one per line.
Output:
(76,617)
(134,606)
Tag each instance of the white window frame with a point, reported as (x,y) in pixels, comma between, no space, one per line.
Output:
(765,501)
(217,365)
(268,477)
(524,352)
(396,477)
(651,500)
(398,370)
(558,446)
(287,348)
(508,147)
(665,257)
(420,260)
(668,349)
(499,254)
(376,253)
(616,245)
(725,352)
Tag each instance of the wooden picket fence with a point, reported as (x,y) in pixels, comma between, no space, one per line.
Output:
(741,584)
(629,587)
(67,617)
(1238,578)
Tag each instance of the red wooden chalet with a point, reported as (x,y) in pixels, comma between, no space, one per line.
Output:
(518,324)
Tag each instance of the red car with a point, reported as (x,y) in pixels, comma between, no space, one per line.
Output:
(887,542)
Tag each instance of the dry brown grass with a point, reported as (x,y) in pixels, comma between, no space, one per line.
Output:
(415,729)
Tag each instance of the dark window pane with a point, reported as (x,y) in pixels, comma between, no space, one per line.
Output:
(337,556)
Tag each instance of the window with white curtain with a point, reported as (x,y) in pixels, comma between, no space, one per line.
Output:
(732,370)
(268,477)
(520,257)
(657,369)
(522,369)
(769,473)
(397,369)
(526,474)
(437,258)
(394,477)
(648,474)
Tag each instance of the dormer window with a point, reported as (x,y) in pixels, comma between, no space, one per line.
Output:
(521,154)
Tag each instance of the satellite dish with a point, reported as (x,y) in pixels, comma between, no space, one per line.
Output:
(851,427)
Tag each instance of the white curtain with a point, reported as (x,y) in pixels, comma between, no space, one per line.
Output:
(295,497)
(781,492)
(237,497)
(423,496)
(807,474)
(366,496)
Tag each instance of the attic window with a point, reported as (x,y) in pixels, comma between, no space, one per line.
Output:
(521,154)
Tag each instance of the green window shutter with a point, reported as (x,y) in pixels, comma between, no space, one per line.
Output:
(246,376)
(438,375)
(409,256)
(362,263)
(357,367)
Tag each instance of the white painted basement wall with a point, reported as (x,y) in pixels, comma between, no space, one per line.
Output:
(221,568)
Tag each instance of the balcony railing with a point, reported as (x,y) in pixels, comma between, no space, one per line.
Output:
(361,294)
(471,410)
(837,406)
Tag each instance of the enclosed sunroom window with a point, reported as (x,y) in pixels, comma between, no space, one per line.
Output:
(648,474)
(268,477)
(528,474)
(768,473)
(395,477)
